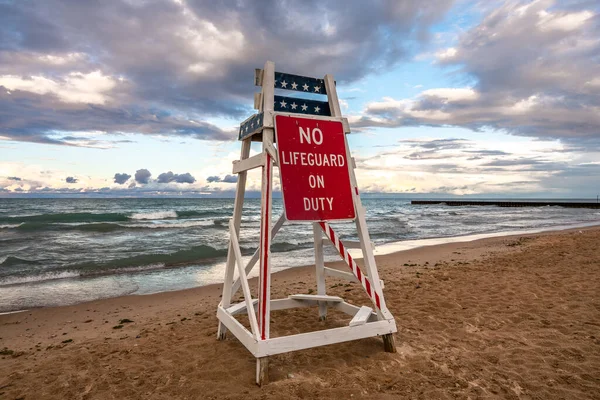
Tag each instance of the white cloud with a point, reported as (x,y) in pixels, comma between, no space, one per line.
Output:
(446,54)
(521,107)
(76,87)
(68,58)
(452,94)
(563,22)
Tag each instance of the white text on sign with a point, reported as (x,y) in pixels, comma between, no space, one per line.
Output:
(313,167)
(313,136)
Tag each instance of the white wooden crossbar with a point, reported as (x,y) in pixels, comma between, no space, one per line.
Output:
(361,316)
(248,163)
(240,308)
(303,341)
(254,258)
(316,297)
(244,279)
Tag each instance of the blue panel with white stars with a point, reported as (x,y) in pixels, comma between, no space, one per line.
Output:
(251,126)
(299,83)
(301,106)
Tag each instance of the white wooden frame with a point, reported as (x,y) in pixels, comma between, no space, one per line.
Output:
(366,321)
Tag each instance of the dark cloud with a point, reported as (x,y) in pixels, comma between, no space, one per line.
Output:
(167,177)
(535,70)
(225,179)
(438,144)
(435,149)
(230,179)
(425,155)
(184,178)
(161,67)
(14,178)
(37,118)
(71,179)
(142,176)
(121,178)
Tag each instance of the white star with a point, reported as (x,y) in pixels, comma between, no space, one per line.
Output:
(317,89)
(304,107)
(283,103)
(284,84)
(294,85)
(294,105)
(305,87)
(317,109)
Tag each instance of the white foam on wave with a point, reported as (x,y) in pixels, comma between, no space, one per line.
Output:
(186,224)
(50,276)
(155,215)
(10,226)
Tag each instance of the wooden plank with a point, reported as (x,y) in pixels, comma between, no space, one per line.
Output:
(361,316)
(257,100)
(249,163)
(389,344)
(244,280)
(238,206)
(340,274)
(268,94)
(262,371)
(303,341)
(272,152)
(332,97)
(258,77)
(301,106)
(317,297)
(238,330)
(346,126)
(264,277)
(320,268)
(277,304)
(241,307)
(287,303)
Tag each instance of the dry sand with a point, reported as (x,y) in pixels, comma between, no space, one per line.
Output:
(506,318)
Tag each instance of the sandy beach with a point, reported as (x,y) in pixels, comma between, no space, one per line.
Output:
(514,317)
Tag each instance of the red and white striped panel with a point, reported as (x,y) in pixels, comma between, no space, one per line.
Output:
(365,282)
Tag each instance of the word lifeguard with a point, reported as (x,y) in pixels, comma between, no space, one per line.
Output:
(312,159)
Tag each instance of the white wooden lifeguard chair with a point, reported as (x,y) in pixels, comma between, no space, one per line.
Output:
(319,125)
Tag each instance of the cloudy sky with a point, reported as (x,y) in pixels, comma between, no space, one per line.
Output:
(144,97)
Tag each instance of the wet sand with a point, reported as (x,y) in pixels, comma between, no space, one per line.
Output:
(508,318)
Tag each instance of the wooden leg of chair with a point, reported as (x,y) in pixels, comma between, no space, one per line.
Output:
(262,371)
(389,344)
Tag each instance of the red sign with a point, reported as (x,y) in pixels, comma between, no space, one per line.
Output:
(314,169)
